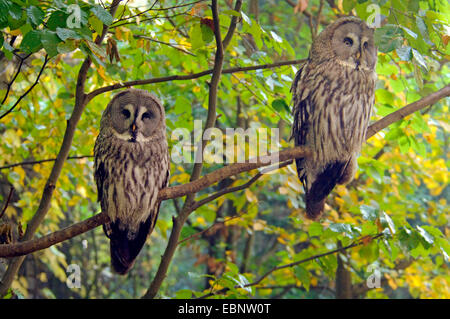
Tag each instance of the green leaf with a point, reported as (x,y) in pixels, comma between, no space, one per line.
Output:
(50,42)
(57,19)
(419,59)
(36,15)
(276,37)
(207,33)
(409,32)
(388,38)
(183,294)
(96,24)
(368,212)
(196,37)
(31,42)
(425,235)
(246,18)
(102,14)
(385,219)
(303,275)
(65,34)
(15,11)
(280,105)
(404,53)
(232,13)
(315,229)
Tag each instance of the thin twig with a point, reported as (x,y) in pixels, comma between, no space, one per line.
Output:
(11,191)
(293,264)
(42,161)
(15,76)
(27,91)
(183,77)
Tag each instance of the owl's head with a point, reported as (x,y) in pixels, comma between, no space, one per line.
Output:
(135,116)
(348,40)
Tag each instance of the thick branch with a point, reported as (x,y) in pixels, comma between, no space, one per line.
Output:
(407,110)
(216,176)
(23,248)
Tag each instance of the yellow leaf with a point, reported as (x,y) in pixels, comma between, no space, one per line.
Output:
(259,224)
(251,197)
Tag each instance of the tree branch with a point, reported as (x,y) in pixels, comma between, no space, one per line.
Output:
(184,77)
(46,59)
(179,221)
(290,265)
(407,110)
(42,161)
(30,246)
(209,179)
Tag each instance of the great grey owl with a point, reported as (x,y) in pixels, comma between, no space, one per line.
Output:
(333,95)
(131,166)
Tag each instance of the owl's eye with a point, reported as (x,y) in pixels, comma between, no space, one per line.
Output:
(366,45)
(126,113)
(147,115)
(348,41)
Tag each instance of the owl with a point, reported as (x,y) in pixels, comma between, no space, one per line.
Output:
(333,95)
(131,167)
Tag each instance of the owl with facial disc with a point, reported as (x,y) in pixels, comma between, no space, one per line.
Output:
(131,167)
(333,96)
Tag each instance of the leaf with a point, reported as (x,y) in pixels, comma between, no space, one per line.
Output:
(65,34)
(50,42)
(246,18)
(388,38)
(183,294)
(425,235)
(276,37)
(57,19)
(196,37)
(419,59)
(303,275)
(36,15)
(280,105)
(389,222)
(31,42)
(315,229)
(404,53)
(409,32)
(102,14)
(368,212)
(207,33)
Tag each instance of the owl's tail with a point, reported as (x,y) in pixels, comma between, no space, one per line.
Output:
(322,186)
(123,250)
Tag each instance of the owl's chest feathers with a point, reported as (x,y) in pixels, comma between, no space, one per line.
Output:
(135,172)
(340,101)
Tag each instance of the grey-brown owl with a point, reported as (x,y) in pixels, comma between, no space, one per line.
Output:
(131,166)
(333,95)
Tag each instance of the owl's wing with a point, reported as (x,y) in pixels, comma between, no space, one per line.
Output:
(300,111)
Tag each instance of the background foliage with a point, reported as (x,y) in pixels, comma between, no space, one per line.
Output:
(401,189)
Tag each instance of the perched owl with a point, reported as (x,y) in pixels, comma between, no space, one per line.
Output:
(333,95)
(131,166)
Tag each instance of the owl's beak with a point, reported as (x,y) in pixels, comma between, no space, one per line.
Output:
(133,128)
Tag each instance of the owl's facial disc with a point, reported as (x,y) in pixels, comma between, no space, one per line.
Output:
(352,43)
